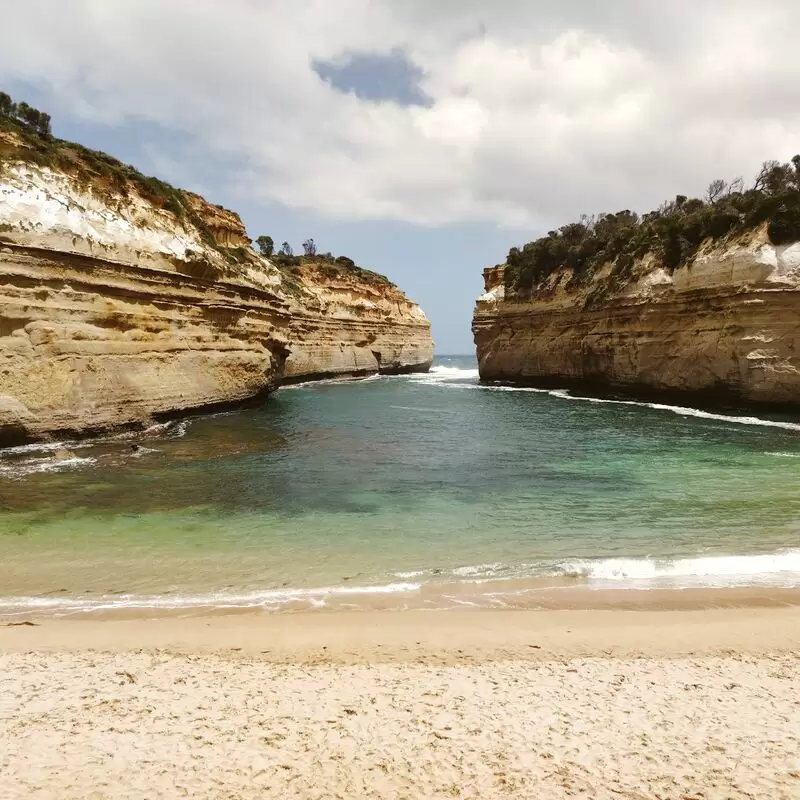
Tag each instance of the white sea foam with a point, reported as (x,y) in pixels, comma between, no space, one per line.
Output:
(501,388)
(453,372)
(437,376)
(143,451)
(29,459)
(479,570)
(175,429)
(684,411)
(269,599)
(780,569)
(43,447)
(774,569)
(31,466)
(341,380)
(460,601)
(771,569)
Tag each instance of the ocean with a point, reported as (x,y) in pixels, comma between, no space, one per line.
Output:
(415,491)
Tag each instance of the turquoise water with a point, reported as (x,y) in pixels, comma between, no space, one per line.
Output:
(401,491)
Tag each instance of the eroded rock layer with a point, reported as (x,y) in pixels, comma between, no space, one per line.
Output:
(87,345)
(723,330)
(349,325)
(115,311)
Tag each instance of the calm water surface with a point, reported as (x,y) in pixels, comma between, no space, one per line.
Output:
(401,491)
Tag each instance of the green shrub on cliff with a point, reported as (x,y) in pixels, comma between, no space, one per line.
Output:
(33,143)
(266,245)
(25,115)
(674,232)
(326,265)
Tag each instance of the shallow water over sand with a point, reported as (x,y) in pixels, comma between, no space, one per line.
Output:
(420,491)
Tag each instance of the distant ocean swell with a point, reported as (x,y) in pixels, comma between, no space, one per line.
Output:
(777,570)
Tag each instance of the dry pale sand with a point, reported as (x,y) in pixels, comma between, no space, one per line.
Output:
(600,704)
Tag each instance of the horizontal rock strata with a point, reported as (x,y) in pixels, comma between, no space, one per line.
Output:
(116,312)
(724,330)
(87,345)
(351,326)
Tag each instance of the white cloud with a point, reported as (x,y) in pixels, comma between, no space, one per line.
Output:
(538,112)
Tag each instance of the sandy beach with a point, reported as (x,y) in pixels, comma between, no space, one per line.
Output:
(539,704)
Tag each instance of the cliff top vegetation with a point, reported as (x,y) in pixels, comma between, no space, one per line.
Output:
(34,143)
(326,264)
(673,233)
(31,141)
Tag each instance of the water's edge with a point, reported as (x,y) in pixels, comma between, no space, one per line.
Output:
(367,467)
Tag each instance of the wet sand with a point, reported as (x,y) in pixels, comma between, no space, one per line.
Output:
(472,704)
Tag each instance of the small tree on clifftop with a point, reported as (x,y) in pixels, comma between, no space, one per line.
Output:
(29,116)
(286,249)
(716,190)
(309,248)
(265,246)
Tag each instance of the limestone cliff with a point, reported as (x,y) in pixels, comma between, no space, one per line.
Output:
(123,300)
(722,329)
(355,324)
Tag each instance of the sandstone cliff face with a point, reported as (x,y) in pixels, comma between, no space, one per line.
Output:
(344,324)
(114,311)
(725,329)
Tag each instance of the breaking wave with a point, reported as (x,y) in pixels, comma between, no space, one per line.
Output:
(445,376)
(268,599)
(771,569)
(780,569)
(341,380)
(683,411)
(30,459)
(31,466)
(775,570)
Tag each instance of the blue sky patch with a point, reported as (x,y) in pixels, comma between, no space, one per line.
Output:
(376,76)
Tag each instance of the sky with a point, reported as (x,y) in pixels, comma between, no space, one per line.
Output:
(422,138)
